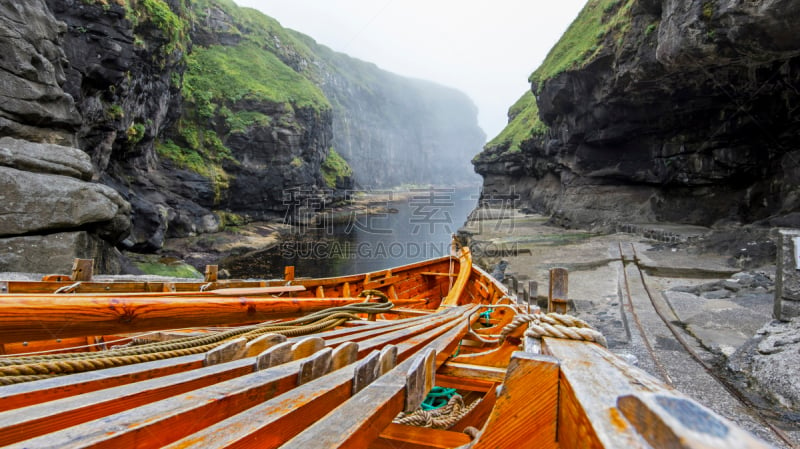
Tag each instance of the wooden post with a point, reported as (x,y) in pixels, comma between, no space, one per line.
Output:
(288,273)
(82,269)
(211,273)
(558,297)
(533,292)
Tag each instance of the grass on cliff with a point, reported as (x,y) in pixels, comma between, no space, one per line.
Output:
(224,75)
(585,37)
(334,168)
(524,124)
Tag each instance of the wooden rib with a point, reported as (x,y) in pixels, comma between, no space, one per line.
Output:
(464,273)
(359,421)
(286,416)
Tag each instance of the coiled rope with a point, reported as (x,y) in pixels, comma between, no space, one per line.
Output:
(554,325)
(23,369)
(439,418)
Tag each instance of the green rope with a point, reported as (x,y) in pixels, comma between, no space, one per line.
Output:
(438,397)
(486,316)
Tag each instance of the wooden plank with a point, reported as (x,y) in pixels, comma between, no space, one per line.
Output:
(81,315)
(558,295)
(272,423)
(82,269)
(41,391)
(591,380)
(359,421)
(211,273)
(288,273)
(256,291)
(40,419)
(670,420)
(526,410)
(397,436)
(159,423)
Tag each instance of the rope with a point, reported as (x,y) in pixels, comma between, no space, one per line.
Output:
(438,397)
(554,325)
(377,293)
(23,369)
(440,418)
(68,288)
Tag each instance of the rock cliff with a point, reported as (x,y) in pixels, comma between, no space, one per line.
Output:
(177,117)
(660,110)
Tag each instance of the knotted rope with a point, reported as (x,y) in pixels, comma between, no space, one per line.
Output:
(440,418)
(23,369)
(554,325)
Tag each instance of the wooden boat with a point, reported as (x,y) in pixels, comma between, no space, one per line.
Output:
(383,341)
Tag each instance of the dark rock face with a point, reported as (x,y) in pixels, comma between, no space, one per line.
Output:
(32,103)
(689,116)
(51,213)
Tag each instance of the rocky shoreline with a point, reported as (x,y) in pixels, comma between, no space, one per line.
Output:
(719,298)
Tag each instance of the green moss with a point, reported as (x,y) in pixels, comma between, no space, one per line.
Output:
(524,124)
(296,162)
(225,75)
(229,219)
(206,162)
(179,270)
(241,121)
(170,24)
(650,28)
(335,168)
(708,10)
(115,112)
(585,37)
(135,133)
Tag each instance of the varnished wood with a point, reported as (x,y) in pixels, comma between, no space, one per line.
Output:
(79,315)
(527,406)
(397,436)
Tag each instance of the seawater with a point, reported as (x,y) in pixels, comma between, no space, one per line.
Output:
(416,225)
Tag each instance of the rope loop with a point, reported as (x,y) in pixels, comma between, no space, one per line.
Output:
(554,325)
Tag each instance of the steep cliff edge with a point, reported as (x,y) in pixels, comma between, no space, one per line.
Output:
(646,110)
(196,114)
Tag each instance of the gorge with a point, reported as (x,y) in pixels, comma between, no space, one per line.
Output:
(126,123)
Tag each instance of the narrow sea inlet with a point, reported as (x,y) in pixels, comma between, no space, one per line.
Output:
(400,228)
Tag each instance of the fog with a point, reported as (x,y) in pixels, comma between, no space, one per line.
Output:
(486,49)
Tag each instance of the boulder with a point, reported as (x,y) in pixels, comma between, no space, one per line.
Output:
(45,158)
(35,202)
(54,253)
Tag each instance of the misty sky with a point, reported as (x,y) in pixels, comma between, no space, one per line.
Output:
(486,49)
